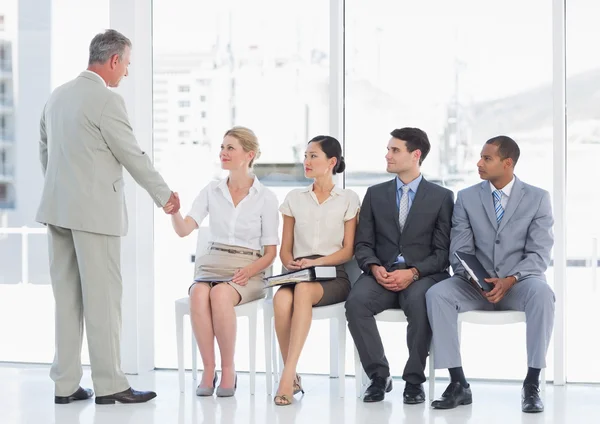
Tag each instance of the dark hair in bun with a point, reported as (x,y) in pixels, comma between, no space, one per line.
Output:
(332,149)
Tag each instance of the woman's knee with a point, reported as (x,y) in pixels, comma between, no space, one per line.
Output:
(304,292)
(284,298)
(224,294)
(199,296)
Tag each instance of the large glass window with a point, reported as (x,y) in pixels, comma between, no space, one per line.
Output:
(583,203)
(463,71)
(41,47)
(242,67)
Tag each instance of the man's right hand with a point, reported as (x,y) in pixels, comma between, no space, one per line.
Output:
(172,206)
(383,278)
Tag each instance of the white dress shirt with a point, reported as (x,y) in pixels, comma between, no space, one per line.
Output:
(95,75)
(505,192)
(252,224)
(319,228)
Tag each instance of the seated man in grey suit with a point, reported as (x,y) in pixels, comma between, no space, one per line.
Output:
(402,244)
(507,225)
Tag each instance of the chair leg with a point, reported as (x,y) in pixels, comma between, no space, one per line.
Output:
(341,350)
(431,374)
(194,358)
(358,373)
(252,336)
(543,378)
(277,361)
(281,365)
(333,349)
(268,352)
(179,334)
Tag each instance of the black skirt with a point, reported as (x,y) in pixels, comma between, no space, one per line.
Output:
(334,291)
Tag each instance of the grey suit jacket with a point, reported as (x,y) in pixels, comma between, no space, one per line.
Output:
(85,140)
(425,241)
(520,245)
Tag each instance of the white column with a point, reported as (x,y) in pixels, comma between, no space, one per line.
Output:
(336,74)
(560,194)
(32,71)
(133,18)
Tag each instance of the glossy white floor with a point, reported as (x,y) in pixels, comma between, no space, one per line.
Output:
(26,396)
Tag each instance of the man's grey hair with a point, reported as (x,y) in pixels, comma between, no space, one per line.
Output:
(107,44)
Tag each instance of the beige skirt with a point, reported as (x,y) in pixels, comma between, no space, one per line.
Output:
(222,260)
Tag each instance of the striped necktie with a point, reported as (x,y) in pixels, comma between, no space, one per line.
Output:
(498,205)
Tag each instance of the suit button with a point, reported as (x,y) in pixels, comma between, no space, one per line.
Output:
(497,241)
(497,269)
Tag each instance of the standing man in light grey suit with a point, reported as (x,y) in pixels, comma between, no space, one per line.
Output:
(85,141)
(507,225)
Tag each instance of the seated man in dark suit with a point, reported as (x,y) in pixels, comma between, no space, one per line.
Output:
(402,244)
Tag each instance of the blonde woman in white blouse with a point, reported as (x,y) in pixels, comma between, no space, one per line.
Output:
(243,219)
(319,223)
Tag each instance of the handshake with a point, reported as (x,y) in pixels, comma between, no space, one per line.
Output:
(172,206)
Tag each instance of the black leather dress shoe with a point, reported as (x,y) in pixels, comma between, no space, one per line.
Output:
(80,394)
(530,399)
(377,390)
(127,396)
(413,394)
(454,395)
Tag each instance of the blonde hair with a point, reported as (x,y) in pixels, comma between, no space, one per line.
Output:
(247,139)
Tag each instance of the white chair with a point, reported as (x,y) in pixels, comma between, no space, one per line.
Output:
(336,313)
(389,315)
(495,318)
(250,310)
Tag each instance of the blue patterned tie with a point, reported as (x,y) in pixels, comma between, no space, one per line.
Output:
(403,207)
(498,205)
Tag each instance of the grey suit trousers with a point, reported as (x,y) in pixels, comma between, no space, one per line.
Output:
(368,298)
(448,298)
(85,269)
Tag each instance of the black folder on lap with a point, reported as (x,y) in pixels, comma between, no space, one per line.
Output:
(475,270)
(313,273)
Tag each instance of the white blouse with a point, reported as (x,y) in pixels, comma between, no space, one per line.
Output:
(319,228)
(252,224)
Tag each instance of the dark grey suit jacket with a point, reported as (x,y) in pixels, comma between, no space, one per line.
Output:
(425,241)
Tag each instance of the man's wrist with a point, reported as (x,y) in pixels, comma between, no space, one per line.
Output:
(416,273)
(372,267)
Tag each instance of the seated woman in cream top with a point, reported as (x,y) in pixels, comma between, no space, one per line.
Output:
(319,223)
(243,218)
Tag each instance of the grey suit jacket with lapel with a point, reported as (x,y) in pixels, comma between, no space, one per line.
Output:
(85,140)
(520,245)
(425,241)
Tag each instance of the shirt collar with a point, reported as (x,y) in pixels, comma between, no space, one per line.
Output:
(335,190)
(95,75)
(507,188)
(256,185)
(413,185)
